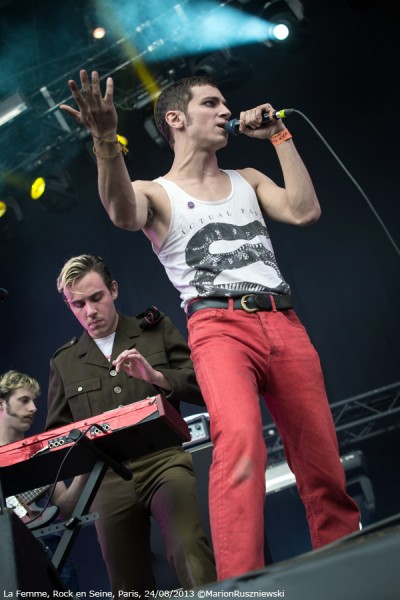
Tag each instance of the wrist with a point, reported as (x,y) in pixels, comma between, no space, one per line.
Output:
(160,381)
(110,136)
(280,137)
(117,143)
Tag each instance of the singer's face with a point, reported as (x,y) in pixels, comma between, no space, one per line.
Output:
(19,411)
(93,304)
(207,115)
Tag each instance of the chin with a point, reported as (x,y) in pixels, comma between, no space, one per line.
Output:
(223,141)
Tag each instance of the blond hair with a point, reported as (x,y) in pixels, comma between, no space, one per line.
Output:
(13,380)
(76,267)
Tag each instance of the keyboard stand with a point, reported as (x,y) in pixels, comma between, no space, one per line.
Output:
(80,516)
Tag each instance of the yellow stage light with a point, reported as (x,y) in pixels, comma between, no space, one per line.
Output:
(37,188)
(3,208)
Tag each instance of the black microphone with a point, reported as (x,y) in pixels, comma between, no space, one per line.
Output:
(232,126)
(3,294)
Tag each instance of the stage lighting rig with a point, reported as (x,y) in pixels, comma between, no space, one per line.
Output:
(10,220)
(54,191)
(11,107)
(227,69)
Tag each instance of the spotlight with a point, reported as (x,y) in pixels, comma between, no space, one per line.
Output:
(98,33)
(281,28)
(54,191)
(94,24)
(38,188)
(280,31)
(3,208)
(287,25)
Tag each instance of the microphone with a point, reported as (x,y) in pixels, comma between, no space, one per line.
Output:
(232,126)
(3,294)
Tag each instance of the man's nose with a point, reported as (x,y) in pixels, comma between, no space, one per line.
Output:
(225,112)
(32,407)
(91,309)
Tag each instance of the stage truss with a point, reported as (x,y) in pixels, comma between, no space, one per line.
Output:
(356,419)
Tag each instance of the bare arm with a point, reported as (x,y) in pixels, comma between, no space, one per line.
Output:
(126,208)
(66,497)
(296,202)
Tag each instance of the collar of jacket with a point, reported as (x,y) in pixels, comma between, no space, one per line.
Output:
(126,334)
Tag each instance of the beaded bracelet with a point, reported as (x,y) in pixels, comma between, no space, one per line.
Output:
(121,148)
(280,137)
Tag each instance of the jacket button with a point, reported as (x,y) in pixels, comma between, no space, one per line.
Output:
(113,372)
(117,389)
(80,388)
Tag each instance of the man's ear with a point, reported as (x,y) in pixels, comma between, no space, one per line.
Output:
(114,290)
(175,119)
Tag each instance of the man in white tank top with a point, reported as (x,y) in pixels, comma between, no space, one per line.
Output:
(207,227)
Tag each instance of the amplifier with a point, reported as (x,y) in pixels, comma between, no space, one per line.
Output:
(279,477)
(199,429)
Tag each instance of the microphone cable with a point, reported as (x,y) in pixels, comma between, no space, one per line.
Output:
(350,176)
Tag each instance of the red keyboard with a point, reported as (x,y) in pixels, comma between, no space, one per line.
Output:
(124,433)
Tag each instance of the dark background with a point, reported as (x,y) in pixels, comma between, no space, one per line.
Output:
(343,271)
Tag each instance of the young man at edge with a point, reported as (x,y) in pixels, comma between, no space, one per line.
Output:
(18,397)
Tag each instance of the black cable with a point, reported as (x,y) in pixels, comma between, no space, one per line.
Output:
(58,474)
(364,195)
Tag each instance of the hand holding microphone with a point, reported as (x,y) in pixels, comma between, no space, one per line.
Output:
(256,119)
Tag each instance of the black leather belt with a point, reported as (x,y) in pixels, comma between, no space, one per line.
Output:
(249,303)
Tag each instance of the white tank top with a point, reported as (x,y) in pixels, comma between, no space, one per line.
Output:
(218,248)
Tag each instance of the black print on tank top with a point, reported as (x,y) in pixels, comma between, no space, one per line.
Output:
(210,265)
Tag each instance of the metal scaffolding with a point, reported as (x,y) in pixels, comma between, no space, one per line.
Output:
(356,419)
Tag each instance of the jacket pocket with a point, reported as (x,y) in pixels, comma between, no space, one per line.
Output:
(157,359)
(85,398)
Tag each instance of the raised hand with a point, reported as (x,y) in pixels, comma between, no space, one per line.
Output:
(96,112)
(251,122)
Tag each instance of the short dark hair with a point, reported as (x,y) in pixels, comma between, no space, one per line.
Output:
(78,266)
(176,96)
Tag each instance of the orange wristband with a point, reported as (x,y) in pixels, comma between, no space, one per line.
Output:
(280,137)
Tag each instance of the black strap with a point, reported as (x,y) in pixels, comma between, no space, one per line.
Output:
(249,303)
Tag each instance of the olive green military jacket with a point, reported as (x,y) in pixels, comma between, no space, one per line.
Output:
(83,383)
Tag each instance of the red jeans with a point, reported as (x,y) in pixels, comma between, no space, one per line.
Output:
(237,357)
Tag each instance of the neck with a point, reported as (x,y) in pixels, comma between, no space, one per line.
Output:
(194,164)
(9,435)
